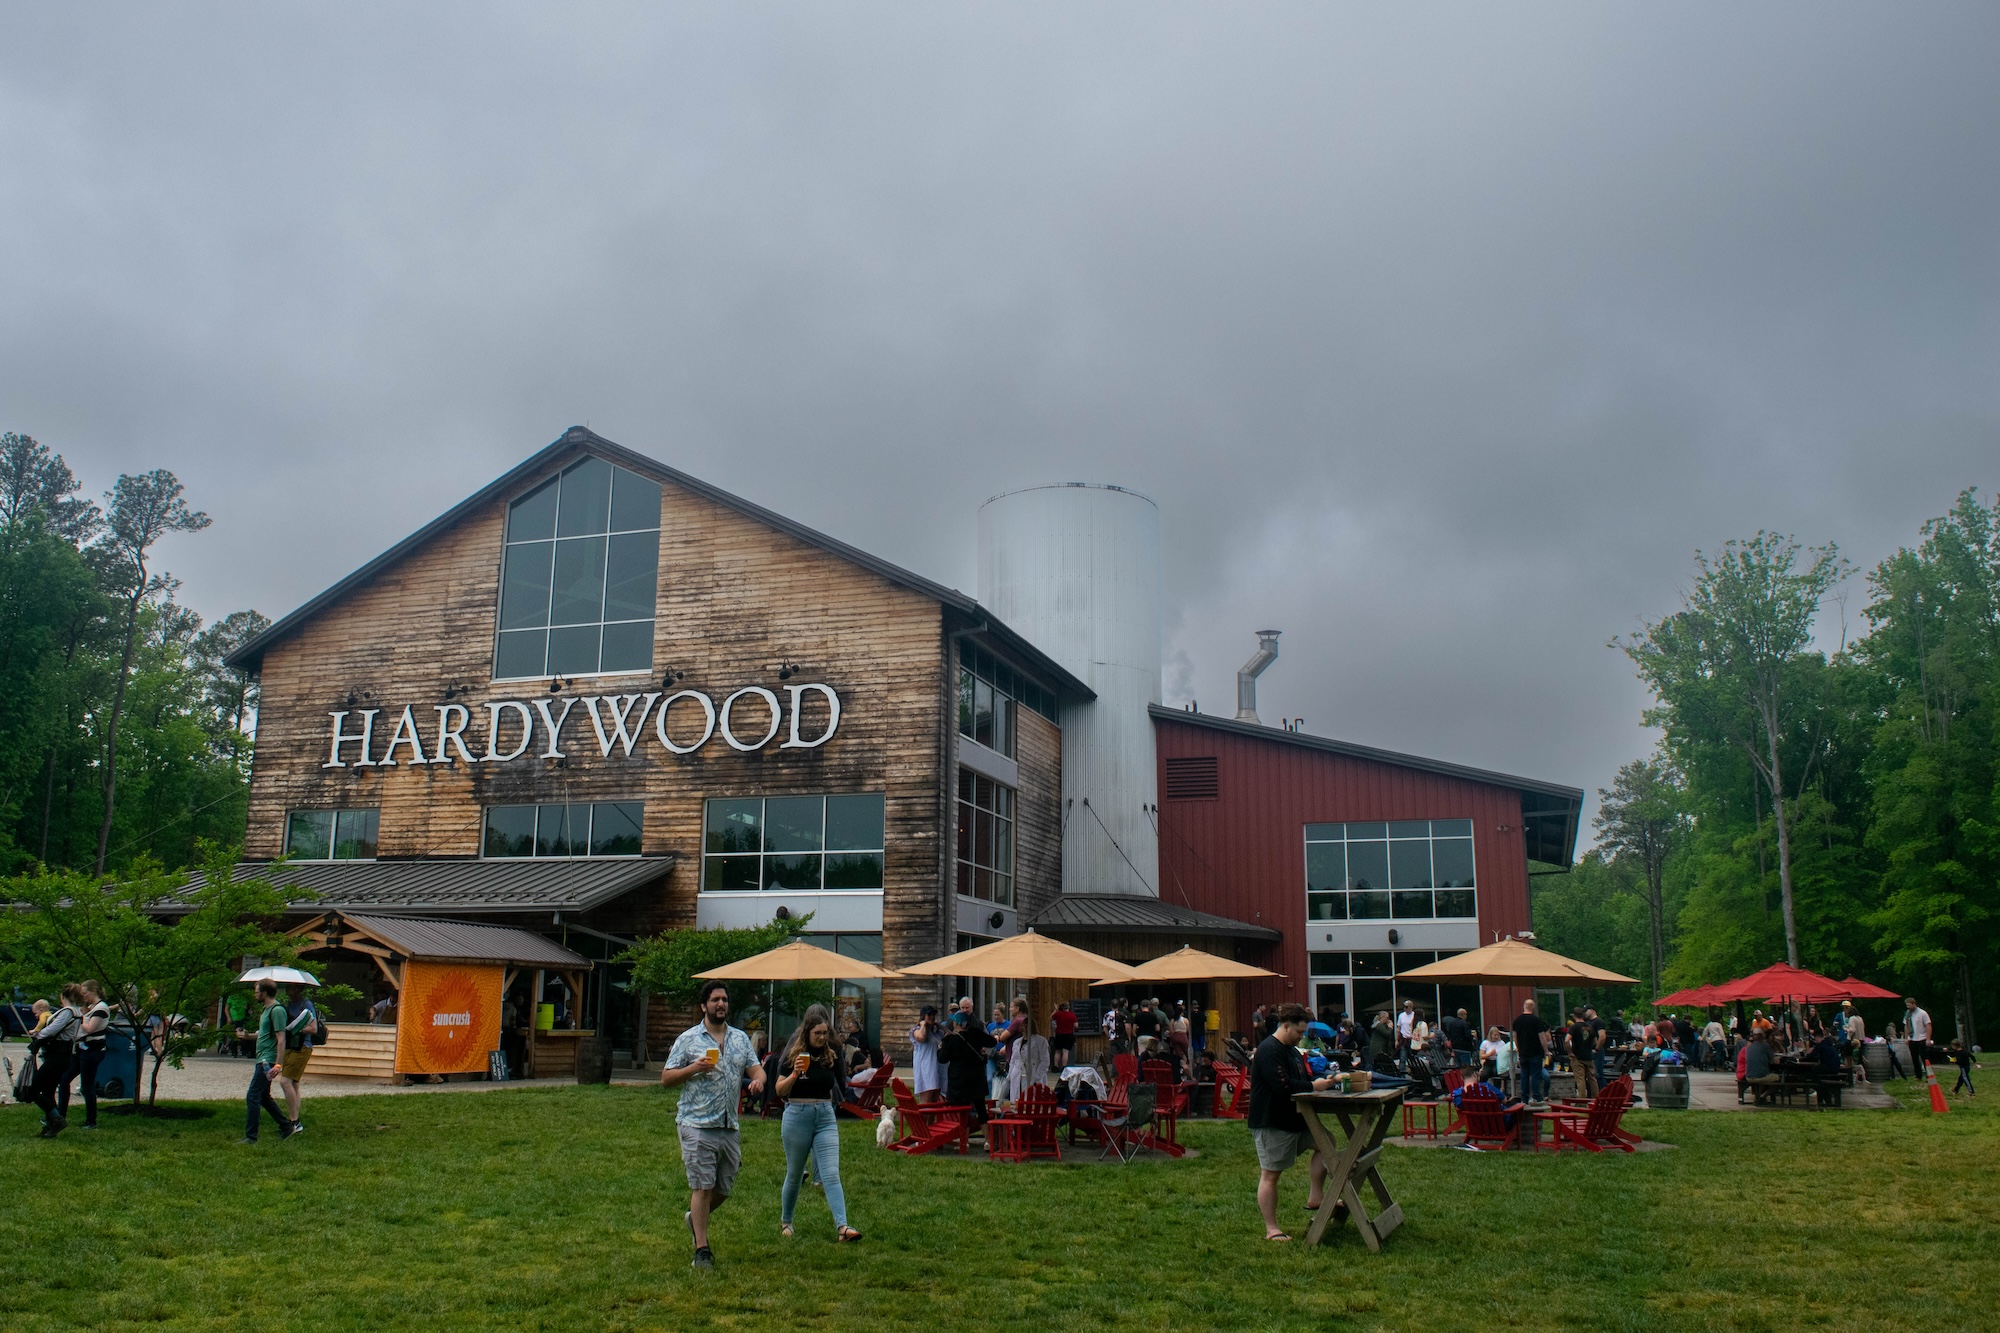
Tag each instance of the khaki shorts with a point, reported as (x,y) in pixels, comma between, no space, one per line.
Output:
(294,1067)
(1277,1149)
(711,1157)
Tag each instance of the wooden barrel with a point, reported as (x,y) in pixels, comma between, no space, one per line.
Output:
(1875,1058)
(593,1059)
(1667,1089)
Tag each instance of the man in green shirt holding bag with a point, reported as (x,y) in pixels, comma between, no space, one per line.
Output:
(270,1052)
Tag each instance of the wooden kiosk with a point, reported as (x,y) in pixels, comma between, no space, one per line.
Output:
(450,980)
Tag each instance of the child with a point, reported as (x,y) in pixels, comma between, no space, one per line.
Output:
(1961,1057)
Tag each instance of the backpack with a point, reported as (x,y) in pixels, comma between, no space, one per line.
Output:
(299,1031)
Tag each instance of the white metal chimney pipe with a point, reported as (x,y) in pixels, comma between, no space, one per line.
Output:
(1246,679)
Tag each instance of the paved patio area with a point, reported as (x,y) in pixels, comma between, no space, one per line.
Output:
(220,1078)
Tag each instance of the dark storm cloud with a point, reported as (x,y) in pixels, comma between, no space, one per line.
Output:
(1442,341)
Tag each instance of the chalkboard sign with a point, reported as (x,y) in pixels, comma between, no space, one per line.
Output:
(496,1066)
(1089,1015)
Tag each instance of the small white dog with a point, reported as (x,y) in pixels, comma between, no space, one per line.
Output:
(885,1128)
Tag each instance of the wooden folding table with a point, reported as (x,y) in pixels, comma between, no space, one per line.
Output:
(1365,1117)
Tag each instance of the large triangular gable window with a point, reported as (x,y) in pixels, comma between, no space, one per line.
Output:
(580,577)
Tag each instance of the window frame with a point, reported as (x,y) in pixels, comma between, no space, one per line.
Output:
(967,865)
(589,836)
(337,816)
(1392,899)
(763,854)
(554,542)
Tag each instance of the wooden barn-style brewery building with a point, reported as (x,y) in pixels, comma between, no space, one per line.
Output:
(600,698)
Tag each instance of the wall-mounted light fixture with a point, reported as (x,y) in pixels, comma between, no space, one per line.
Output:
(997,920)
(1395,938)
(786,670)
(782,914)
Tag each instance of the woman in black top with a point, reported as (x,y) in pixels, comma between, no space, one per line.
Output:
(963,1055)
(94,1020)
(54,1046)
(812,1081)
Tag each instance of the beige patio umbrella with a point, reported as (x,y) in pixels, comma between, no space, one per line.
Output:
(1516,963)
(1189,964)
(1029,956)
(797,961)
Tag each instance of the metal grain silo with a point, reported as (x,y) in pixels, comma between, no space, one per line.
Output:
(1075,568)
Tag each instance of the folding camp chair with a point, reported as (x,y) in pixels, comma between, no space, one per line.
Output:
(1125,1135)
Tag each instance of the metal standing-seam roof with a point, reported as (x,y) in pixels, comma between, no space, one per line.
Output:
(1144,916)
(467,942)
(461,887)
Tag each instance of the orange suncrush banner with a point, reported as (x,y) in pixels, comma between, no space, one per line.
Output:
(447,1018)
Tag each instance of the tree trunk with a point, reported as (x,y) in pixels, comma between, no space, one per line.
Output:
(1784,850)
(1962,1002)
(111,731)
(1656,909)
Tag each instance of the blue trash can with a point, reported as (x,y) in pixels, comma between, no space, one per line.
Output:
(118,1075)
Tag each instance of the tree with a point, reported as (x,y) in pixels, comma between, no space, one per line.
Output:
(1936,642)
(665,964)
(143,509)
(1640,818)
(156,944)
(33,479)
(1728,663)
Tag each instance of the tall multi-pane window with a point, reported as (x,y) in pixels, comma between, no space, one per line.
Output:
(1406,870)
(332,835)
(985,838)
(598,828)
(580,576)
(793,842)
(988,691)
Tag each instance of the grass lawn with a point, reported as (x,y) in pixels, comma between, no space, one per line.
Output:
(562,1209)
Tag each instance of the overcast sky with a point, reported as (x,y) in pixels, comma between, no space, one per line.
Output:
(1443,339)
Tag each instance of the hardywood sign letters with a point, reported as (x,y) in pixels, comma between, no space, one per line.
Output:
(747,720)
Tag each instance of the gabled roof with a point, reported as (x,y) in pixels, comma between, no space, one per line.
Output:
(1549,810)
(458,941)
(1131,913)
(462,887)
(250,656)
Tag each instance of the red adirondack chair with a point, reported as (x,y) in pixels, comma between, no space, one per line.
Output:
(1236,1081)
(1595,1128)
(1486,1120)
(1173,1096)
(926,1128)
(867,1103)
(1124,1073)
(1038,1103)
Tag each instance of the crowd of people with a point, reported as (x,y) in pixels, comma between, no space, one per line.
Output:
(70,1041)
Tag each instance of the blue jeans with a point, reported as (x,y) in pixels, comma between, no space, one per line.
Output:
(259,1098)
(811,1132)
(1534,1079)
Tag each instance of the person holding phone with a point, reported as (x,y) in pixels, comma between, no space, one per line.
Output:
(707,1064)
(809,1080)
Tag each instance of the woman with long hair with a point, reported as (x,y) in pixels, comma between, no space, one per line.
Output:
(810,1081)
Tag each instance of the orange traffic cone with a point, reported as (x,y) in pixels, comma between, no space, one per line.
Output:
(1937,1093)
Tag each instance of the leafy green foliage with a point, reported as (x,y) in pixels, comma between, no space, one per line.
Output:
(113,698)
(156,946)
(665,964)
(1843,805)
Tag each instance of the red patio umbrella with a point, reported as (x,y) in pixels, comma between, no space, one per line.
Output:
(1782,982)
(1857,989)
(1687,996)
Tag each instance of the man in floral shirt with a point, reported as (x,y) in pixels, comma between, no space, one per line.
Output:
(707,1064)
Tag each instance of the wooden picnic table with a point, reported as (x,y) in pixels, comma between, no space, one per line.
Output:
(1365,1118)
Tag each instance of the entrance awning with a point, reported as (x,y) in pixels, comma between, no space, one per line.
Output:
(428,941)
(1130,914)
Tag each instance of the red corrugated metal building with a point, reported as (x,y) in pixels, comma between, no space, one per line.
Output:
(1367,862)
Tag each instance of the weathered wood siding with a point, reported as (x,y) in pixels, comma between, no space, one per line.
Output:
(737,600)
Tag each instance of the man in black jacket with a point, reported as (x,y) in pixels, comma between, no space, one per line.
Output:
(1458,1035)
(1277,1073)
